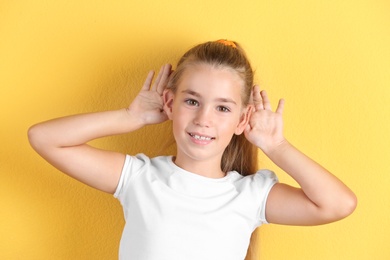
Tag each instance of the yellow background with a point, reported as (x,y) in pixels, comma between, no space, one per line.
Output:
(330,60)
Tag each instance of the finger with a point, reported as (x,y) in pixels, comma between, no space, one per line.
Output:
(158,79)
(257,100)
(247,128)
(164,79)
(266,102)
(148,81)
(280,107)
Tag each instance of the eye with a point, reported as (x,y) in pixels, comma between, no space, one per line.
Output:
(192,102)
(223,109)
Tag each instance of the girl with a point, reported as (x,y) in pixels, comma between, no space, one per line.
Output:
(204,202)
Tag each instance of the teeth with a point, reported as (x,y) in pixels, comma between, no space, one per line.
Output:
(203,138)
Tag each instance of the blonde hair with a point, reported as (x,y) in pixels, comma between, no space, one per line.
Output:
(240,155)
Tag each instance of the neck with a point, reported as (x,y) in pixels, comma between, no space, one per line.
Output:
(210,168)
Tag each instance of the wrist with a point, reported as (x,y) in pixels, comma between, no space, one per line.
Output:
(133,119)
(277,148)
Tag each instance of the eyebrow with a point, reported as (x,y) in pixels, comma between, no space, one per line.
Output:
(221,99)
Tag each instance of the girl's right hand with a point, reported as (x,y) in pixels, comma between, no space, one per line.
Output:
(148,104)
(63,142)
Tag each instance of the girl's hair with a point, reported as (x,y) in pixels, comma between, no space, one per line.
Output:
(240,155)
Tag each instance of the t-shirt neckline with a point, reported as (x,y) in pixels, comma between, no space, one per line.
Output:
(195,175)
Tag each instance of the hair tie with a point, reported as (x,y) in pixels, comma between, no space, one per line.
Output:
(227,43)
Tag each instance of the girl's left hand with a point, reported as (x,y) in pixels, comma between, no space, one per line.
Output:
(265,127)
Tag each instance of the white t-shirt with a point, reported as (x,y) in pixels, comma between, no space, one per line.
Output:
(173,214)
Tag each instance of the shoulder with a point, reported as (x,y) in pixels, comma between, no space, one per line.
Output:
(136,162)
(140,165)
(259,179)
(265,176)
(255,185)
(254,189)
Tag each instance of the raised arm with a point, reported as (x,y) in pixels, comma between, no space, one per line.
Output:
(321,198)
(63,141)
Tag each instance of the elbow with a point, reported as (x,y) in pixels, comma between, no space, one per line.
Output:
(32,135)
(344,207)
(349,205)
(35,137)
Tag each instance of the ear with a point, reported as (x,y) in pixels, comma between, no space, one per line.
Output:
(168,97)
(244,121)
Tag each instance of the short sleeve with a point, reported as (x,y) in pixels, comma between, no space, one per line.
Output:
(131,167)
(265,180)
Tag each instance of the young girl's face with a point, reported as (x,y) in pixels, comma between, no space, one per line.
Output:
(206,111)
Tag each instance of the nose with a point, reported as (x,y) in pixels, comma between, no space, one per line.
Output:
(203,117)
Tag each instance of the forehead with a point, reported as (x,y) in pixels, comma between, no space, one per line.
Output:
(210,78)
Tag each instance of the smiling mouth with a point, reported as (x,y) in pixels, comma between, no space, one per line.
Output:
(201,138)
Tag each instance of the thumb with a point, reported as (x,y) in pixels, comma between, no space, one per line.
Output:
(247,128)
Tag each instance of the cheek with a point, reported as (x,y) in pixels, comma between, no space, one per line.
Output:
(228,127)
(178,113)
(179,120)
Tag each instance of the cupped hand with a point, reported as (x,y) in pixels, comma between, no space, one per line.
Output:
(148,104)
(265,127)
